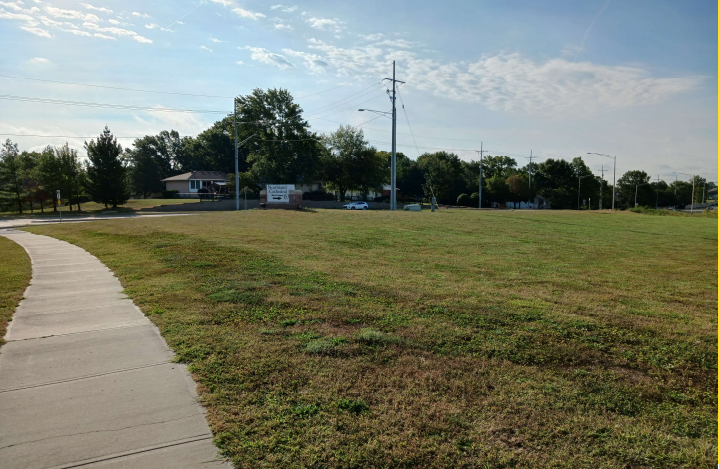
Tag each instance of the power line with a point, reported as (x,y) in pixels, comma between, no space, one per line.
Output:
(340,102)
(405,116)
(137,90)
(104,105)
(353,106)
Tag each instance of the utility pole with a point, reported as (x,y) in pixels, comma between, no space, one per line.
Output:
(393,182)
(481,152)
(601,189)
(614,182)
(530,177)
(580,190)
(704,190)
(237,167)
(636,191)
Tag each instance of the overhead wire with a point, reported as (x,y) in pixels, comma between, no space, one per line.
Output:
(341,102)
(405,116)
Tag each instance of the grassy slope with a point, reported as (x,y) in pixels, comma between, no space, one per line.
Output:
(15,273)
(453,339)
(92,207)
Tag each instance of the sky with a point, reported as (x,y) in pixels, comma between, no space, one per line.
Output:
(632,79)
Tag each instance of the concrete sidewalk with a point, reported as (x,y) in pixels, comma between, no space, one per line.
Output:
(86,380)
(37,220)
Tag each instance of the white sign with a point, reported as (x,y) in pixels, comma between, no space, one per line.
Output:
(279,193)
(58,195)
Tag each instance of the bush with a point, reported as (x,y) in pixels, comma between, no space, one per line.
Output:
(318,195)
(356,407)
(474,199)
(463,200)
(373,337)
(170,194)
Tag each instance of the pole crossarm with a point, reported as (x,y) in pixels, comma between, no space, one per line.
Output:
(614,181)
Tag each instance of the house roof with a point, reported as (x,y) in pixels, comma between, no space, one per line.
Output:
(203,175)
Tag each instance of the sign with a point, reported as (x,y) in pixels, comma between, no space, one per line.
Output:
(279,193)
(58,195)
(59,200)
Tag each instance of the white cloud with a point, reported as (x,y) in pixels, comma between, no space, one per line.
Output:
(71,14)
(239,62)
(508,82)
(263,55)
(117,32)
(103,36)
(90,7)
(206,48)
(396,43)
(283,26)
(372,37)
(225,3)
(37,31)
(152,26)
(248,14)
(284,8)
(112,21)
(78,32)
(312,61)
(215,40)
(38,61)
(13,5)
(326,23)
(141,15)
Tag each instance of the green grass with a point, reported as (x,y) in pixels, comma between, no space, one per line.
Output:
(94,207)
(15,273)
(426,340)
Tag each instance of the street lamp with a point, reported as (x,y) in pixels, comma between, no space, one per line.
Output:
(614,182)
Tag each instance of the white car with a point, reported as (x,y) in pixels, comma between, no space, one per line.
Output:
(356,206)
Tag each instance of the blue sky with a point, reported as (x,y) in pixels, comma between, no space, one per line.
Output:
(636,79)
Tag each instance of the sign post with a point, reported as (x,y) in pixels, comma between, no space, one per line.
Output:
(279,193)
(59,205)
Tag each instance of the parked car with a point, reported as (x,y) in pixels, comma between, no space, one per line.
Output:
(356,206)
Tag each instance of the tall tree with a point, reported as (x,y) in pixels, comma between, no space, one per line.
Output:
(350,163)
(635,183)
(556,180)
(518,186)
(410,176)
(11,174)
(106,170)
(284,151)
(72,174)
(154,158)
(443,176)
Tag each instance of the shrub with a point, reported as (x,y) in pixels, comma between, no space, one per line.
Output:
(474,199)
(373,337)
(318,195)
(355,406)
(323,346)
(463,200)
(170,194)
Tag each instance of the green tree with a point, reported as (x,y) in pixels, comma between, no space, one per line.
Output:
(106,170)
(350,163)
(497,189)
(635,183)
(48,173)
(153,158)
(11,174)
(284,151)
(518,186)
(443,176)
(410,177)
(556,180)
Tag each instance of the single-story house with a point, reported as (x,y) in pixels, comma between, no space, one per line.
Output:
(193,181)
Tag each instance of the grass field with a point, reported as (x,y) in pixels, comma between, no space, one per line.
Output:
(94,207)
(426,340)
(15,273)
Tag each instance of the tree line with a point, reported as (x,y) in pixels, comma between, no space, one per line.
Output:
(283,149)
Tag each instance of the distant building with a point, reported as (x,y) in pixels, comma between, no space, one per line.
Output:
(190,183)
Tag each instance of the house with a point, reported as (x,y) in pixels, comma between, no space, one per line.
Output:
(190,183)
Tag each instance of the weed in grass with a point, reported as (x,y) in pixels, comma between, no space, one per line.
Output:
(356,407)
(305,410)
(373,337)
